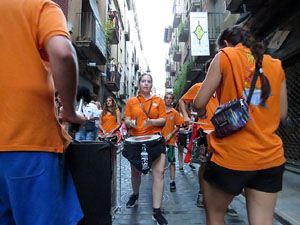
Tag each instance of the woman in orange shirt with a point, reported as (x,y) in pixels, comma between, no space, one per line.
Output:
(146,115)
(110,120)
(252,158)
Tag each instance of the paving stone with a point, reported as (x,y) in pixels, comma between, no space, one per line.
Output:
(178,207)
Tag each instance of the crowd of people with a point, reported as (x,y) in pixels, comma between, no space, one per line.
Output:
(31,159)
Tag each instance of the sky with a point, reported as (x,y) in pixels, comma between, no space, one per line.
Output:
(154,16)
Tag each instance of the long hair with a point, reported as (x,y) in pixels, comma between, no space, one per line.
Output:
(114,107)
(238,34)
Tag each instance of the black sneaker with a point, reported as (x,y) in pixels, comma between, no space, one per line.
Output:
(231,212)
(192,166)
(159,218)
(132,201)
(173,187)
(181,169)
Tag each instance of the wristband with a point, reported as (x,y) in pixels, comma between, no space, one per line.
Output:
(170,135)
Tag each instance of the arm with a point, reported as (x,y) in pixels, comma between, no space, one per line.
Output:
(184,111)
(100,124)
(129,122)
(64,68)
(283,101)
(118,122)
(208,87)
(160,122)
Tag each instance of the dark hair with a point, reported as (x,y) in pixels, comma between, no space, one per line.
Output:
(238,34)
(169,94)
(114,107)
(145,74)
(84,92)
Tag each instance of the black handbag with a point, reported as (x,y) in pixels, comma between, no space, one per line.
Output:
(90,125)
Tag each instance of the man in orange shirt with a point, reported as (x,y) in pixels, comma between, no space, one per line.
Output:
(170,129)
(35,185)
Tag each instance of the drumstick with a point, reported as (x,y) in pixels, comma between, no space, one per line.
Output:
(200,123)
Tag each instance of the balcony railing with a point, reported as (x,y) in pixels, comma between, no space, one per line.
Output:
(177,56)
(215,21)
(91,31)
(123,91)
(113,79)
(176,20)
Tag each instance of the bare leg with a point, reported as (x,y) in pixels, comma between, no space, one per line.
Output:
(158,180)
(180,155)
(260,206)
(215,210)
(172,172)
(135,179)
(200,176)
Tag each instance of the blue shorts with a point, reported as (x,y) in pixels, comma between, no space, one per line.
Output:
(36,188)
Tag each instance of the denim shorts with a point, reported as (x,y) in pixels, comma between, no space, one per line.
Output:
(37,188)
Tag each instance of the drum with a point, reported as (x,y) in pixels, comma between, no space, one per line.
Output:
(200,153)
(92,165)
(142,151)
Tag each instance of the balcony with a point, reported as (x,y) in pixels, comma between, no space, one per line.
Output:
(123,91)
(91,42)
(112,33)
(113,84)
(215,21)
(168,34)
(183,32)
(195,5)
(168,66)
(177,56)
(176,20)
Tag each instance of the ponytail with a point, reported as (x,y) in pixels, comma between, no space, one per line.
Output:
(238,34)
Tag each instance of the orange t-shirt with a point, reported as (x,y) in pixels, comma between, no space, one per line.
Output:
(172,121)
(109,122)
(256,146)
(27,109)
(133,109)
(211,107)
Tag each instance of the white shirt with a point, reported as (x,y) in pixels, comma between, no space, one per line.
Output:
(90,110)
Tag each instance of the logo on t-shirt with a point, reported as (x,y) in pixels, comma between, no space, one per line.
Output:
(171,117)
(155,104)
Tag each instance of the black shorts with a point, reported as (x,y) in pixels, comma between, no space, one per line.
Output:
(182,137)
(233,181)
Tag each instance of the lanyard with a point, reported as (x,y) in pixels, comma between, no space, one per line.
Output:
(147,114)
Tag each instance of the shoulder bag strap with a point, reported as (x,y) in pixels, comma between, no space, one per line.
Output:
(253,82)
(143,108)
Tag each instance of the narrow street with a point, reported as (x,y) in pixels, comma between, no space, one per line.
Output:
(179,207)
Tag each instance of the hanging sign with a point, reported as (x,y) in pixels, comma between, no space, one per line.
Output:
(199,34)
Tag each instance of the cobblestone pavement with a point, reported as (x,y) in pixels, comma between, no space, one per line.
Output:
(178,207)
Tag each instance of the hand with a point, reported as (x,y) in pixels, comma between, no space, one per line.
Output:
(202,115)
(74,118)
(132,123)
(167,138)
(187,120)
(148,123)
